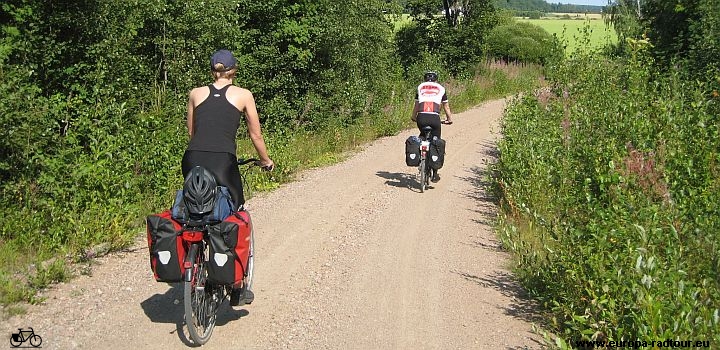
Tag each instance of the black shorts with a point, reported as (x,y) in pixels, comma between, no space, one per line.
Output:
(429,119)
(221,164)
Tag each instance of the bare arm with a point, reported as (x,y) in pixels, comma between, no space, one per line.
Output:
(190,115)
(254,130)
(448,113)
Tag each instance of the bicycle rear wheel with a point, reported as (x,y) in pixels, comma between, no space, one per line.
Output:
(14,343)
(201,300)
(251,259)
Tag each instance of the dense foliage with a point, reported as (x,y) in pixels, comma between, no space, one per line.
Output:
(457,42)
(685,32)
(523,42)
(609,181)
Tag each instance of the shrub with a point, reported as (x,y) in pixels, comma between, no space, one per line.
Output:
(609,184)
(523,42)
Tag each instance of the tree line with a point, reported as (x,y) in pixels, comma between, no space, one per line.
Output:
(520,6)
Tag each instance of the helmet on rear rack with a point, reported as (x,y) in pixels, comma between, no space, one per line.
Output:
(199,191)
(430,76)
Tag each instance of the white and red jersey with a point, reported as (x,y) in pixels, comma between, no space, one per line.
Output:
(430,95)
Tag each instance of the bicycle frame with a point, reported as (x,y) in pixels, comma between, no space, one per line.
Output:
(21,335)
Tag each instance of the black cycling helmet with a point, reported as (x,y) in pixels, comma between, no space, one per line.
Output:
(430,76)
(199,191)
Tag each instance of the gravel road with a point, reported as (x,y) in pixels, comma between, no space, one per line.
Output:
(350,256)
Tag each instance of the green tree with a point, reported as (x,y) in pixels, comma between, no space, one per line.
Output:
(457,39)
(680,31)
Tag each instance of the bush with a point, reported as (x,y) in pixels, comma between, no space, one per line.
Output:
(523,42)
(609,184)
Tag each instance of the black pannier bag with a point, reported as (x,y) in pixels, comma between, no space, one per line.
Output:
(412,151)
(167,251)
(229,244)
(436,155)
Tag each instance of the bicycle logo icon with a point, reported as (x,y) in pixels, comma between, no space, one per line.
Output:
(16,339)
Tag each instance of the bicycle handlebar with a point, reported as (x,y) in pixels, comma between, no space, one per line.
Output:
(248,160)
(255,162)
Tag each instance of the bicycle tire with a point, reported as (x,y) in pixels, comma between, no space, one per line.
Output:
(200,308)
(423,175)
(32,341)
(13,344)
(251,258)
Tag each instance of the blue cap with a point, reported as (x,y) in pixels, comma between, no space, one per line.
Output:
(224,57)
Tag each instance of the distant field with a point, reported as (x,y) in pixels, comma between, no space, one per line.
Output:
(556,23)
(572,31)
(576,15)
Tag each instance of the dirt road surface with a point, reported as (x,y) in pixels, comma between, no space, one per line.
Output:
(350,256)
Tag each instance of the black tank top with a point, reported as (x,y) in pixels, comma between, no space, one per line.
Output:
(216,122)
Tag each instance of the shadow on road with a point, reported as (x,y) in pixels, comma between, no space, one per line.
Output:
(400,180)
(522,307)
(169,308)
(479,177)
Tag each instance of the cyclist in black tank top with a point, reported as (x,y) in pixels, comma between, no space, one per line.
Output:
(213,118)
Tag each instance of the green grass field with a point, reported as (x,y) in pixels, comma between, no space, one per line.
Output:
(573,31)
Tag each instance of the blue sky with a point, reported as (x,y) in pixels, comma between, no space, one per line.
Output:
(580,2)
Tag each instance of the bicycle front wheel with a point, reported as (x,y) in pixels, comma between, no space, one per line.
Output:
(35,341)
(423,175)
(201,302)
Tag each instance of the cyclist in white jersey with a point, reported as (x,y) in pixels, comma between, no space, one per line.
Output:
(429,98)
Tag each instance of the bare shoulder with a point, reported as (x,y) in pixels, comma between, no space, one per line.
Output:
(239,97)
(198,94)
(236,93)
(199,90)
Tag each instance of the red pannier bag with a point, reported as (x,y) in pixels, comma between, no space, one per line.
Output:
(229,249)
(167,251)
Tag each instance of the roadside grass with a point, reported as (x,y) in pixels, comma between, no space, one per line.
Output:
(29,267)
